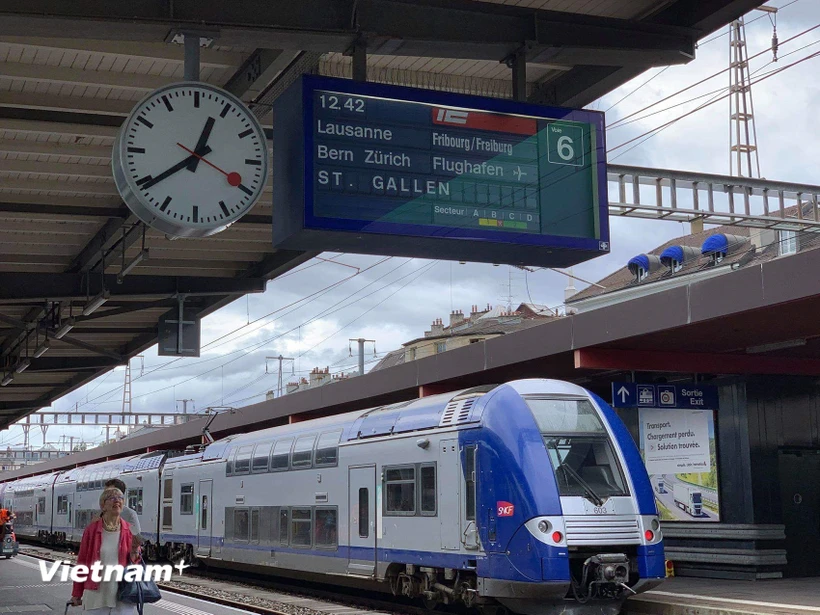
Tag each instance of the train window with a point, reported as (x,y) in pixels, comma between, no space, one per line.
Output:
(229,463)
(242,462)
(303,452)
(62,505)
(186,499)
(281,453)
(470,480)
(254,534)
(400,490)
(325,529)
(565,416)
(260,458)
(203,517)
(167,517)
(364,512)
(168,489)
(135,500)
(585,466)
(300,522)
(240,524)
(41,506)
(283,527)
(428,489)
(327,448)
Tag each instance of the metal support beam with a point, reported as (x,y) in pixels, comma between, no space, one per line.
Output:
(29,287)
(427,28)
(73,341)
(191,69)
(518,63)
(71,364)
(358,56)
(690,362)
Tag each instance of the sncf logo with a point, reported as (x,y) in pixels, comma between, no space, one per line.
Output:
(451,116)
(505,509)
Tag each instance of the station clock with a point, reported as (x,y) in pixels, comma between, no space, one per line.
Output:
(190,160)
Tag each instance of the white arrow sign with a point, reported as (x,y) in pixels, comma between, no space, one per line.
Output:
(624,393)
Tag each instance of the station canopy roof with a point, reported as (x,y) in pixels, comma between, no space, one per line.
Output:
(70,72)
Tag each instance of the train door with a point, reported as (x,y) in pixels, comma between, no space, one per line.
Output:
(362,520)
(69,533)
(800,497)
(205,525)
(449,495)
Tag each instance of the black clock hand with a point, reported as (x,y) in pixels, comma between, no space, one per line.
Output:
(203,139)
(174,169)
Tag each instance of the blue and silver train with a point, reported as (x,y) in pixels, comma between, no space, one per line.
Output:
(528,496)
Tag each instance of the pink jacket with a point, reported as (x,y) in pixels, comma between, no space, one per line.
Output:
(90,552)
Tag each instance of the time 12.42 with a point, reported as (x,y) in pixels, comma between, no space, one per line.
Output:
(340,102)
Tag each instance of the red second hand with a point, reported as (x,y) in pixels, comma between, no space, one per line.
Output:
(234,178)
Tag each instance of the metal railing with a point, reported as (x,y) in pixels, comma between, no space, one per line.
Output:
(683,196)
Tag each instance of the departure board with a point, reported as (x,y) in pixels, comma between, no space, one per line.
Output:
(404,162)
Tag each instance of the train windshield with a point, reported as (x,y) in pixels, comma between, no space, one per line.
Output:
(579,448)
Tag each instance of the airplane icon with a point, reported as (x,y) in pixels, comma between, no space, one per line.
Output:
(518,173)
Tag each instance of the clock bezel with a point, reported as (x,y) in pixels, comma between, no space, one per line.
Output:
(141,207)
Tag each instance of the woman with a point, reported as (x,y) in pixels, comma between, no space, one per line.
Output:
(106,540)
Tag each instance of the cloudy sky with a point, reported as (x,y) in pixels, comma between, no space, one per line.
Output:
(310,315)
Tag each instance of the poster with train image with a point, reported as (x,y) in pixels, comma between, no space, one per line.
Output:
(678,448)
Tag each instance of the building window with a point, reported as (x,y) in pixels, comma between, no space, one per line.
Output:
(441,347)
(475,340)
(788,242)
(412,355)
(400,489)
(186,499)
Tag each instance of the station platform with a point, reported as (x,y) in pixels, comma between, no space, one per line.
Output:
(691,596)
(23,592)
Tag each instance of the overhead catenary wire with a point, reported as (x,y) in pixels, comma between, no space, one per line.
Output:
(709,78)
(662,127)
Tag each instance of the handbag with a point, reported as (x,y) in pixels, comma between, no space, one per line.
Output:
(138,592)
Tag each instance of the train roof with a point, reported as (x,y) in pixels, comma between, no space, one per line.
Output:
(136,463)
(443,410)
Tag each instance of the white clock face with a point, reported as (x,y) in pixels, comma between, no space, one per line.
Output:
(190,160)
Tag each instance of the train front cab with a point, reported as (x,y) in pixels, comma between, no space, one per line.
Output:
(569,516)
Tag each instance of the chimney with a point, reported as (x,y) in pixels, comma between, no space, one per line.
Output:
(437,328)
(291,387)
(570,291)
(456,317)
(761,237)
(269,395)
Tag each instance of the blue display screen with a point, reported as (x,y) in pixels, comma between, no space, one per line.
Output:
(377,163)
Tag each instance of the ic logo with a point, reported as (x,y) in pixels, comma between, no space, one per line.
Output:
(450,116)
(504,509)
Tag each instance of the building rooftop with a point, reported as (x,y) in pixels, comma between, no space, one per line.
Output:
(753,247)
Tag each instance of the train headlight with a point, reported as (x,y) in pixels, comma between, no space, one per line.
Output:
(655,524)
(544,526)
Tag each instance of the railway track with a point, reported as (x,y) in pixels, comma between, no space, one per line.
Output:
(265,596)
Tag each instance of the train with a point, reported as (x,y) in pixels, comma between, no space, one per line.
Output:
(527,497)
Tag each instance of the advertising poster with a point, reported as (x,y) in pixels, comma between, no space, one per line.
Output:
(678,448)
